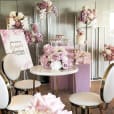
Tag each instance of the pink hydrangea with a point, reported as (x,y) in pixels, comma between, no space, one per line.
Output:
(48,49)
(82,57)
(108,52)
(47,104)
(60,54)
(33,36)
(46,6)
(87,15)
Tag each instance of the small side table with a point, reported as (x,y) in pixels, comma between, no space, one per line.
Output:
(77,82)
(40,71)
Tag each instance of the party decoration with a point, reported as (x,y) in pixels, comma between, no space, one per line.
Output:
(46,6)
(17,20)
(87,15)
(108,52)
(33,35)
(45,104)
(56,57)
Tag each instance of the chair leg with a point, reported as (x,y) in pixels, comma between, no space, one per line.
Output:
(100,110)
(26,92)
(87,109)
(37,89)
(76,110)
(83,110)
(72,108)
(3,112)
(16,92)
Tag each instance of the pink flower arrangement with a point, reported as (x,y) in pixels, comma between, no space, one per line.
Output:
(82,57)
(56,57)
(63,57)
(33,36)
(17,20)
(108,52)
(87,15)
(46,6)
(45,104)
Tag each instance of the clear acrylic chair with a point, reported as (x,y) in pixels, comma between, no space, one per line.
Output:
(87,100)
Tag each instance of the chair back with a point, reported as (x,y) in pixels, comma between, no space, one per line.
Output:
(4,91)
(107,88)
(11,66)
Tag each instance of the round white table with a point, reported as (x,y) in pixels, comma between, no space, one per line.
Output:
(41,71)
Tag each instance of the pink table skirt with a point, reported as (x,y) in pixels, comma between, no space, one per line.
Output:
(80,84)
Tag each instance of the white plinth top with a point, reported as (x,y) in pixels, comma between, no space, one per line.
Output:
(39,70)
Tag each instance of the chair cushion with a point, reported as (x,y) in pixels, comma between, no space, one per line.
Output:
(26,84)
(19,102)
(85,99)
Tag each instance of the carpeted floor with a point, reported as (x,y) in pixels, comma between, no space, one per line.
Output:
(64,95)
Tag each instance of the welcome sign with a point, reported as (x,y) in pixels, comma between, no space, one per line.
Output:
(14,42)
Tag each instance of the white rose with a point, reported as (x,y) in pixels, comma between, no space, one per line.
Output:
(12,14)
(56,65)
(108,51)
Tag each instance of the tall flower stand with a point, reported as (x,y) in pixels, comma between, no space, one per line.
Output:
(86,35)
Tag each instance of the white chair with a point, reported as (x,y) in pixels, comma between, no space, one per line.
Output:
(87,100)
(12,68)
(8,102)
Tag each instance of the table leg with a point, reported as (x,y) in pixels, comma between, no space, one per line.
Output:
(74,82)
(33,86)
(55,85)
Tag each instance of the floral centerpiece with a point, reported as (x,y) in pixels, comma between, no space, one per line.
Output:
(45,104)
(46,6)
(108,52)
(87,15)
(33,35)
(17,20)
(82,57)
(56,57)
